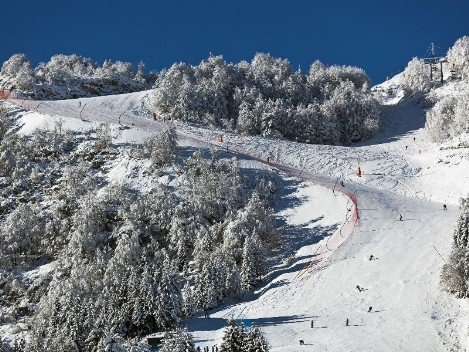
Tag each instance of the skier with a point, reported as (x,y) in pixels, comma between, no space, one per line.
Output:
(312,324)
(371,257)
(444,207)
(370,309)
(206,314)
(359,289)
(342,183)
(400,217)
(268,159)
(346,322)
(406,146)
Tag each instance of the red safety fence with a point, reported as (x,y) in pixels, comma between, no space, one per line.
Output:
(338,238)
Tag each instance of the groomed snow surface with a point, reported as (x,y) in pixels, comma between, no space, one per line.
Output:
(402,174)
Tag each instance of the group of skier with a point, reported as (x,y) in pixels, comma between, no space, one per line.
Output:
(360,289)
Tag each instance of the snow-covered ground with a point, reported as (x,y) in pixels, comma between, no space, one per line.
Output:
(402,174)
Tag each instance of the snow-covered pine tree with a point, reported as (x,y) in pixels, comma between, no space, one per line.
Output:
(168,299)
(178,340)
(248,265)
(162,147)
(205,292)
(255,341)
(455,274)
(188,304)
(233,286)
(103,137)
(234,337)
(5,122)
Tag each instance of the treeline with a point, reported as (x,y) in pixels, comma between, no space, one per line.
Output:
(71,76)
(329,105)
(124,262)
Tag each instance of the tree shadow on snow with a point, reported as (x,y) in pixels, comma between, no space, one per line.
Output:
(211,324)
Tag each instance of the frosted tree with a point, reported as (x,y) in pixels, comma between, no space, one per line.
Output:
(162,147)
(415,78)
(21,233)
(174,88)
(448,118)
(255,341)
(103,139)
(233,284)
(205,293)
(248,266)
(178,340)
(5,122)
(210,286)
(17,70)
(270,73)
(168,299)
(356,113)
(140,76)
(455,274)
(188,304)
(458,57)
(234,338)
(13,65)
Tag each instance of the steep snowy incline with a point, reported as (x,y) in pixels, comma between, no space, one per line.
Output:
(409,310)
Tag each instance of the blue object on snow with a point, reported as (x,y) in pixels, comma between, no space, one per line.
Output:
(246,322)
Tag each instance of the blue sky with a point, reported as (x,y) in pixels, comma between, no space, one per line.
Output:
(378,36)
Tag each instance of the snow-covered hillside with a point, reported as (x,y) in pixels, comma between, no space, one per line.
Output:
(402,175)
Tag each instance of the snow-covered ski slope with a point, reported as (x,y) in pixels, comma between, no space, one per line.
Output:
(402,174)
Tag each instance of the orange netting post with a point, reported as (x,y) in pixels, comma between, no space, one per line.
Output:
(154,116)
